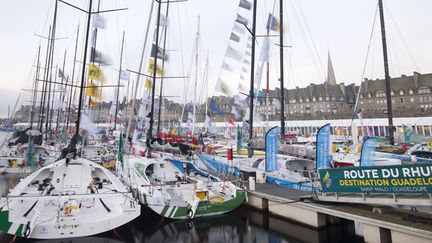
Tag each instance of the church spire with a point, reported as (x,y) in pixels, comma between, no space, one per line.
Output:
(331,78)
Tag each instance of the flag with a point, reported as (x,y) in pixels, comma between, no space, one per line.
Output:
(163,21)
(234,37)
(245,125)
(226,67)
(242,20)
(245,4)
(97,57)
(231,121)
(159,52)
(239,140)
(239,29)
(235,112)
(367,155)
(272,23)
(159,70)
(190,112)
(410,136)
(94,73)
(265,51)
(124,75)
(98,22)
(60,73)
(207,122)
(214,107)
(232,53)
(323,158)
(271,147)
(120,150)
(92,90)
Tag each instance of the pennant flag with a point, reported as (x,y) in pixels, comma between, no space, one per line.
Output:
(367,155)
(272,23)
(226,67)
(94,73)
(214,107)
(163,21)
(271,147)
(124,75)
(120,150)
(245,125)
(231,121)
(60,73)
(159,70)
(159,52)
(265,51)
(323,157)
(242,20)
(92,90)
(190,112)
(97,57)
(98,22)
(232,53)
(410,136)
(234,37)
(245,4)
(239,29)
(207,122)
(148,84)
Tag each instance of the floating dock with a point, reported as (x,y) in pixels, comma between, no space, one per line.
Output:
(377,223)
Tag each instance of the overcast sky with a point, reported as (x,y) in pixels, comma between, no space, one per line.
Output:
(312,28)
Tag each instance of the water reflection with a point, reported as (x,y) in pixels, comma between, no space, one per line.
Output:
(242,225)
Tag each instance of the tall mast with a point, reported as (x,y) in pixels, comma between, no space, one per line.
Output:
(281,43)
(386,71)
(251,91)
(196,76)
(118,83)
(72,80)
(49,71)
(82,76)
(35,90)
(163,65)
(44,84)
(150,129)
(61,95)
(132,115)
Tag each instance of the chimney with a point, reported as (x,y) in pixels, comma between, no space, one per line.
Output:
(416,79)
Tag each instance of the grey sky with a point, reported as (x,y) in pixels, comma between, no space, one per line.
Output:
(341,26)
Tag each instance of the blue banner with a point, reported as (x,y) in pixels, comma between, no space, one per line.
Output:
(271,147)
(323,157)
(367,156)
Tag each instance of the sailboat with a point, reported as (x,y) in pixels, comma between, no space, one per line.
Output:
(72,197)
(172,187)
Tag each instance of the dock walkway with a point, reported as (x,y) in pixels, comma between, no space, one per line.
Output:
(380,224)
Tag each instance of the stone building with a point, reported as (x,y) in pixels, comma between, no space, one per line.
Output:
(411,96)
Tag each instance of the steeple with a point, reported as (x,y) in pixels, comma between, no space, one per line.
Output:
(331,78)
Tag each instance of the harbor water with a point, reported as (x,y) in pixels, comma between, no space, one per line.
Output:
(242,225)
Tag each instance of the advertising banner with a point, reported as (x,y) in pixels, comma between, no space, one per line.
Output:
(271,147)
(373,179)
(323,157)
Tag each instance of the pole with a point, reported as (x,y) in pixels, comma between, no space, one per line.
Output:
(251,91)
(387,76)
(118,83)
(281,43)
(73,80)
(61,94)
(150,132)
(44,84)
(81,93)
(35,90)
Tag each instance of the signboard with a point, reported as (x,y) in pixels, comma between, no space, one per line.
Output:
(323,157)
(271,148)
(373,179)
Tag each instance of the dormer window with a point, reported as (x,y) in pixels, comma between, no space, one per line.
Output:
(411,91)
(392,93)
(313,99)
(361,96)
(369,95)
(307,99)
(380,94)
(401,92)
(327,98)
(320,98)
(424,90)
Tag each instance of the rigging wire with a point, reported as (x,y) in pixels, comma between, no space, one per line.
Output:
(366,59)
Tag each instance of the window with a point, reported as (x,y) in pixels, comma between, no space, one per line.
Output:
(327,98)
(411,91)
(307,99)
(392,93)
(424,90)
(401,92)
(313,99)
(320,98)
(401,100)
(380,94)
(361,96)
(412,100)
(369,95)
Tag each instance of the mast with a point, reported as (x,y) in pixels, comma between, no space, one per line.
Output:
(251,91)
(281,43)
(44,84)
(81,93)
(132,116)
(150,129)
(196,77)
(49,70)
(163,64)
(118,83)
(387,76)
(61,95)
(73,81)
(35,90)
